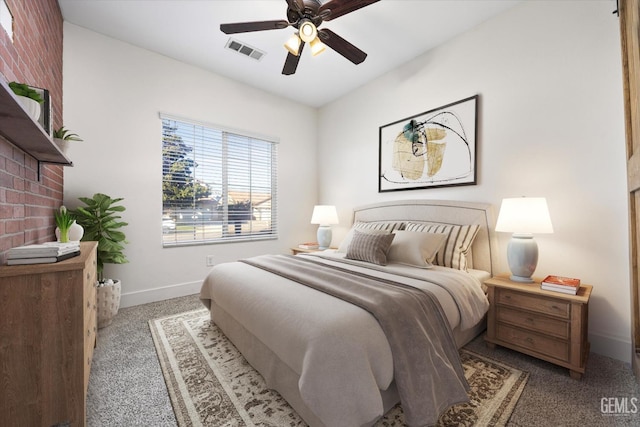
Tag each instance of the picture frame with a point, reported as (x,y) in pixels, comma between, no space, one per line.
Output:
(436,148)
(45,120)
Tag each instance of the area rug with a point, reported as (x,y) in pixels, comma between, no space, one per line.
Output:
(211,384)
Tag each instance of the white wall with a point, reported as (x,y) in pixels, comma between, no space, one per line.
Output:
(550,124)
(113,94)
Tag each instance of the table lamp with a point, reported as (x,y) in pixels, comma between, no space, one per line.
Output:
(523,216)
(325,216)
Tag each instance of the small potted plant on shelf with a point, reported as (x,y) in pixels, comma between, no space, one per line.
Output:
(29,98)
(102,224)
(64,221)
(62,137)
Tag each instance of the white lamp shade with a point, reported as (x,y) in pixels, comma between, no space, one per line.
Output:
(324,215)
(317,47)
(293,44)
(524,215)
(307,31)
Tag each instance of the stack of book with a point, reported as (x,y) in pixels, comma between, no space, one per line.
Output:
(565,285)
(308,245)
(43,253)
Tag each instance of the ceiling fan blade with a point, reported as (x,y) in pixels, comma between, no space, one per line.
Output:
(342,7)
(341,46)
(245,27)
(291,63)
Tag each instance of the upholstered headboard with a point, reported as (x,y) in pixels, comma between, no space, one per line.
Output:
(484,250)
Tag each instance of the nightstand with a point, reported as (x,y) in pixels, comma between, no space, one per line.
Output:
(296,251)
(549,325)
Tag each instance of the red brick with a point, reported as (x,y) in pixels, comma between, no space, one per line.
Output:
(35,58)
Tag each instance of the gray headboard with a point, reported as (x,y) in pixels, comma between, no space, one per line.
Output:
(484,248)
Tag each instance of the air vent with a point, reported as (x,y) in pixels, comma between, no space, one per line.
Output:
(245,49)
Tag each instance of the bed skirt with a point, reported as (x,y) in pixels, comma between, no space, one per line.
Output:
(283,379)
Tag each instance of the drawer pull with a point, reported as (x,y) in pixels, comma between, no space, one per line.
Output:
(530,320)
(529,340)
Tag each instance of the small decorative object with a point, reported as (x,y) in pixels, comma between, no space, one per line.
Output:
(102,223)
(433,149)
(325,216)
(76,231)
(29,98)
(64,220)
(62,137)
(523,216)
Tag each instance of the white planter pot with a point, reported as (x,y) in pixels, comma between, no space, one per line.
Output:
(62,144)
(108,303)
(30,106)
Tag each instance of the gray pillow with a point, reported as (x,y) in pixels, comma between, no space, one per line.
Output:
(371,248)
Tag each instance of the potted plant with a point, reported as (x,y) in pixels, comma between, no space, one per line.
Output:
(29,98)
(102,224)
(62,137)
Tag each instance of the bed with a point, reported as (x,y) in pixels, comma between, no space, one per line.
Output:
(329,358)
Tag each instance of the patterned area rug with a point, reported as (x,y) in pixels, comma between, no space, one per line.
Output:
(211,384)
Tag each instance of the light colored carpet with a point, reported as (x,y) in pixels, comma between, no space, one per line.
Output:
(126,387)
(210,383)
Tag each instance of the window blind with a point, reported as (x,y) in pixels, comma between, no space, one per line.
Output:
(217,185)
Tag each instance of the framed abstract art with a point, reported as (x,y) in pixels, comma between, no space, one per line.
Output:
(436,148)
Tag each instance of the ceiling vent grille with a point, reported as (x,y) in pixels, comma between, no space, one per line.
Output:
(245,49)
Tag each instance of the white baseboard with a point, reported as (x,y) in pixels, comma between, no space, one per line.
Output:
(159,294)
(614,347)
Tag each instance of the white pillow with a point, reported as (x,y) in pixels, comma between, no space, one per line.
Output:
(458,244)
(415,248)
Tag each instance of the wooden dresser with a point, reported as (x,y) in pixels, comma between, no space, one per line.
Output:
(47,337)
(549,325)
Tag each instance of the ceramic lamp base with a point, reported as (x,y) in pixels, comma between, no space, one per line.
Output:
(522,254)
(324,237)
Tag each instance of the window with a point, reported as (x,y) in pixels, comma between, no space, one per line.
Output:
(217,185)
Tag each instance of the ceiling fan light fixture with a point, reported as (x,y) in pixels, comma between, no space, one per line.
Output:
(293,44)
(317,47)
(308,31)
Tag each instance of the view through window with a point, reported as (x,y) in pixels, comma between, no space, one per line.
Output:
(217,185)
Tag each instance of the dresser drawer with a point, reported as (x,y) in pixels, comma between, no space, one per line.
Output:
(531,341)
(535,303)
(535,322)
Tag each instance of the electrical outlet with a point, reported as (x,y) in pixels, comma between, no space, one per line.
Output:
(210,262)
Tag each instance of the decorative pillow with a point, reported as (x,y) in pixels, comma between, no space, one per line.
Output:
(370,247)
(457,246)
(375,227)
(415,248)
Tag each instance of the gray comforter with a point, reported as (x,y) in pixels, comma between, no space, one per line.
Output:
(427,367)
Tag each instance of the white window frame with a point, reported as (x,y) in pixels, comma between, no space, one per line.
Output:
(178,231)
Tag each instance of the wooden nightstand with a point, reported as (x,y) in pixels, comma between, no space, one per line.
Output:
(549,325)
(296,251)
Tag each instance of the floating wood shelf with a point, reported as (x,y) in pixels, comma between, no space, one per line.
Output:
(22,131)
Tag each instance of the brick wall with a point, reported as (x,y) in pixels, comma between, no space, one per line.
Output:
(35,58)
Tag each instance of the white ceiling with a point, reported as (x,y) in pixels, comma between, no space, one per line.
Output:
(391,32)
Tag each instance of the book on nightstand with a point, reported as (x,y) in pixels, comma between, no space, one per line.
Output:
(309,245)
(567,285)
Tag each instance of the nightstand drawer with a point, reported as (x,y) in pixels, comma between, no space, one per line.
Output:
(546,325)
(534,303)
(534,342)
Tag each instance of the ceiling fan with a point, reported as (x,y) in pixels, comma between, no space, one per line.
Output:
(306,16)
